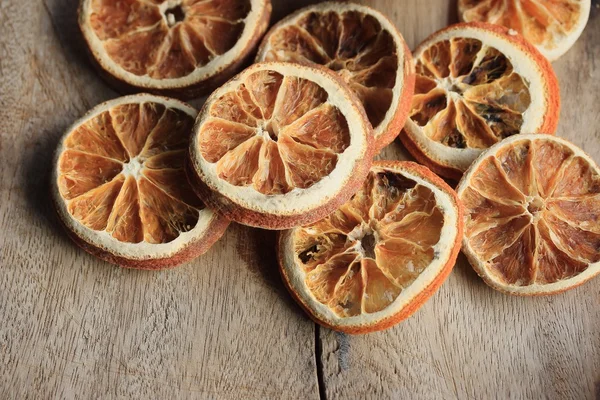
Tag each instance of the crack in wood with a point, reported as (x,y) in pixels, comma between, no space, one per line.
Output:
(319,363)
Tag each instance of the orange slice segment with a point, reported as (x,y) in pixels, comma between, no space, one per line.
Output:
(531,206)
(375,260)
(298,97)
(114,19)
(552,26)
(270,177)
(362,46)
(228,10)
(94,207)
(240,165)
(173,181)
(120,188)
(280,144)
(170,133)
(264,87)
(165,218)
(82,172)
(124,222)
(183,47)
(98,137)
(220,136)
(219,35)
(323,128)
(476,85)
(305,164)
(168,159)
(134,122)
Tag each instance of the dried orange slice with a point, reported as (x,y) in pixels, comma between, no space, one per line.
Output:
(120,188)
(363,46)
(280,145)
(182,48)
(476,84)
(531,215)
(553,26)
(380,256)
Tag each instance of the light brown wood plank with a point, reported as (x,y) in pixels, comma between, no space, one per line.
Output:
(468,341)
(72,326)
(223,326)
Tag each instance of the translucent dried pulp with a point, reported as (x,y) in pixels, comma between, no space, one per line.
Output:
(362,46)
(531,215)
(552,26)
(280,144)
(475,86)
(172,44)
(377,258)
(119,182)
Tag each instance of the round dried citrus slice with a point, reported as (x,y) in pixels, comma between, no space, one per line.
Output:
(553,26)
(531,215)
(363,46)
(120,188)
(381,255)
(476,84)
(280,145)
(182,48)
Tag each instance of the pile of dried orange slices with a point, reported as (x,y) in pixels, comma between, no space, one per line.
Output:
(288,144)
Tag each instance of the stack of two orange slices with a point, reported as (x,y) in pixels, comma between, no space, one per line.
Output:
(369,242)
(119,182)
(531,200)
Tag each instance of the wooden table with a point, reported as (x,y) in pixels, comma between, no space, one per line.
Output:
(223,326)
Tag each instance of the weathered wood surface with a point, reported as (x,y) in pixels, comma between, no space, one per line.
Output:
(223,326)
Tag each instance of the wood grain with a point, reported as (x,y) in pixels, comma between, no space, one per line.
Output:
(223,326)
(468,341)
(72,326)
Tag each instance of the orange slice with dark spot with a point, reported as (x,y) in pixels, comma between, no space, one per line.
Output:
(531,215)
(378,257)
(363,46)
(476,85)
(280,145)
(120,187)
(182,48)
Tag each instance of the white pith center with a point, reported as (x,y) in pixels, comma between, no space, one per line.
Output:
(451,85)
(267,130)
(169,9)
(168,5)
(133,168)
(366,237)
(535,205)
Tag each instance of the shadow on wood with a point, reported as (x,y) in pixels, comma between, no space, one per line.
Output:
(37,168)
(63,15)
(257,247)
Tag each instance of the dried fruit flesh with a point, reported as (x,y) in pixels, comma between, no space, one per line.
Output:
(361,258)
(167,39)
(280,145)
(531,215)
(467,94)
(121,172)
(273,133)
(546,24)
(352,43)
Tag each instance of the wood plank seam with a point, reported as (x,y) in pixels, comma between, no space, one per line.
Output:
(319,363)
